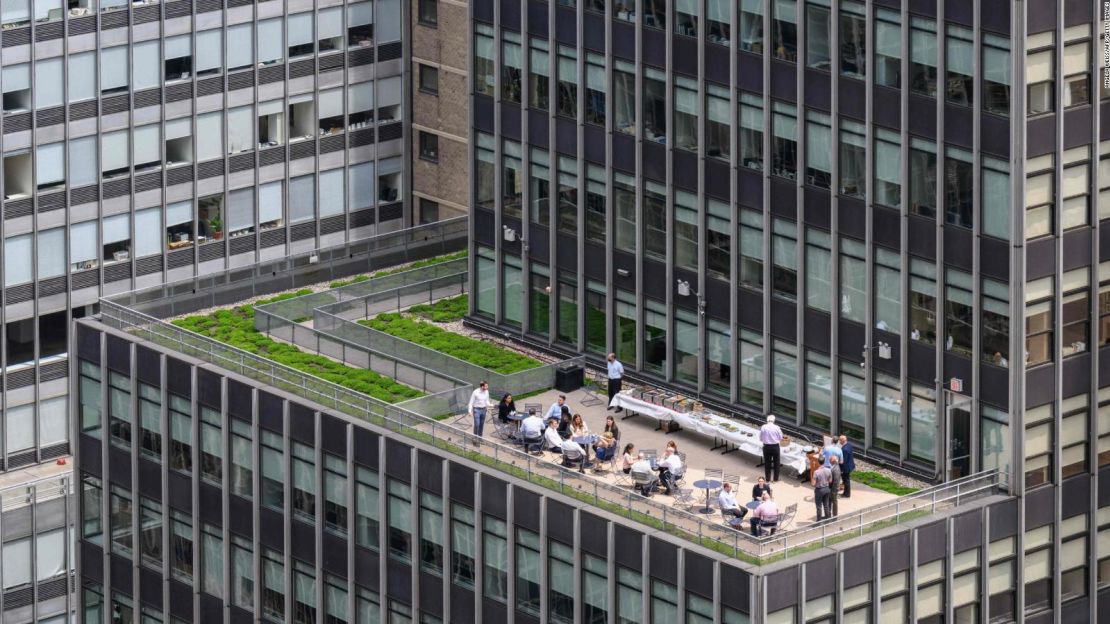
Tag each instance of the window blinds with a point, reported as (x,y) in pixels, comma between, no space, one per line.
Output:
(270,40)
(17,553)
(82,241)
(240,129)
(148,232)
(360,14)
(116,228)
(146,65)
(330,103)
(16,78)
(17,260)
(49,164)
(48,83)
(51,253)
(240,209)
(298,28)
(329,23)
(52,427)
(240,44)
(389,91)
(269,202)
(179,47)
(81,76)
(179,128)
(209,136)
(113,68)
(148,149)
(331,192)
(302,196)
(388,26)
(11,12)
(209,44)
(361,183)
(785,11)
(360,97)
(178,213)
(113,151)
(50,548)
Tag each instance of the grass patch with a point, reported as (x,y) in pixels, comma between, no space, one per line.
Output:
(235,327)
(419,264)
(485,354)
(443,311)
(347,282)
(881,482)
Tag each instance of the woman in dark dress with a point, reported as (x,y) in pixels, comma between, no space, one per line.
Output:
(506,407)
(564,423)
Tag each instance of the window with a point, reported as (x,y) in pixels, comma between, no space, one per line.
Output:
(818,273)
(304,593)
(1075,334)
(655,13)
(150,416)
(624,96)
(784,148)
(923,178)
(119,521)
(119,409)
(718,22)
(179,57)
(211,446)
(595,89)
(181,434)
(923,422)
(1040,73)
(335,494)
(888,413)
(959,64)
(335,599)
(751,131)
(686,346)
(462,545)
(484,76)
(923,56)
(510,67)
(751,367)
(818,149)
(242,452)
(48,83)
(1073,435)
(995,329)
(686,17)
(888,48)
(718,250)
(718,130)
(853,280)
(718,338)
(431,533)
(181,546)
(686,249)
(496,558)
(784,30)
(751,249)
(88,386)
(114,153)
(540,187)
(817,34)
(304,482)
(329,30)
(1077,74)
(367,516)
(655,215)
(561,595)
(784,268)
(1074,188)
(567,206)
(655,105)
(996,74)
(484,171)
(1038,569)
(17,87)
(212,560)
(995,197)
(428,12)
(751,26)
(784,378)
(399,511)
(539,73)
(959,312)
(1039,343)
(655,336)
(512,291)
(629,596)
(1039,197)
(818,390)
(242,573)
(273,585)
(595,204)
(429,79)
(853,39)
(958,191)
(853,159)
(567,74)
(113,70)
(273,469)
(429,146)
(888,290)
(888,168)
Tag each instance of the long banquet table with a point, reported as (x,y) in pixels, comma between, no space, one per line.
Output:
(744,437)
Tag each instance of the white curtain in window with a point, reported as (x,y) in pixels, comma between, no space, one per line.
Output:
(113,151)
(240,129)
(361,182)
(785,11)
(179,128)
(360,14)
(16,77)
(50,552)
(17,260)
(17,553)
(270,40)
(996,65)
(52,425)
(389,91)
(331,192)
(785,126)
(209,45)
(390,165)
(388,26)
(329,23)
(82,242)
(179,47)
(1074,181)
(923,47)
(269,202)
(819,147)
(887,162)
(690,7)
(960,57)
(113,68)
(718,109)
(330,103)
(117,228)
(1075,59)
(302,195)
(13,11)
(240,209)
(148,232)
(718,10)
(146,64)
(48,83)
(81,76)
(148,147)
(209,136)
(50,163)
(240,44)
(19,435)
(686,101)
(299,29)
(51,253)
(360,97)
(181,212)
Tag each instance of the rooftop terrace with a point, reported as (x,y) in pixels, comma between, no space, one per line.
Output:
(446,384)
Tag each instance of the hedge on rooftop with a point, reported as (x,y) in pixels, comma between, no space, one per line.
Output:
(485,354)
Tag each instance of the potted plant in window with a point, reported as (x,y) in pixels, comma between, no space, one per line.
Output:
(216,227)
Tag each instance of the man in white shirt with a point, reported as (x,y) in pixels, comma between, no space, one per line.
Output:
(531,430)
(642,466)
(556,409)
(727,500)
(573,454)
(669,469)
(770,435)
(478,406)
(551,438)
(615,373)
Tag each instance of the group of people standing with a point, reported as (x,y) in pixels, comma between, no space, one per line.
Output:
(831,469)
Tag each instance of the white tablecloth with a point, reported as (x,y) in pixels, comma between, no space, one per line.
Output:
(745,438)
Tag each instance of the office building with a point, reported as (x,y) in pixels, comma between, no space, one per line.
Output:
(147,142)
(878,218)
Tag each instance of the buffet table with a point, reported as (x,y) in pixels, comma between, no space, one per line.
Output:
(741,435)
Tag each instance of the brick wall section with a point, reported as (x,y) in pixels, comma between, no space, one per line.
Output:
(448,179)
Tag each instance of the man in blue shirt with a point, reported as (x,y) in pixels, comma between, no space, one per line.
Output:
(616,372)
(832,449)
(556,409)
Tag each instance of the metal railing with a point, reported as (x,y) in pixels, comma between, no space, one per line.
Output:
(416,419)
(35,491)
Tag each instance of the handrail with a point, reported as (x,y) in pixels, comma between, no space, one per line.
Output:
(36,490)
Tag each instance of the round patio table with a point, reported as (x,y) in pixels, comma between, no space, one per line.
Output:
(707,484)
(752,504)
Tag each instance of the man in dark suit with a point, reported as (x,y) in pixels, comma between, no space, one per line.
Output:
(848,466)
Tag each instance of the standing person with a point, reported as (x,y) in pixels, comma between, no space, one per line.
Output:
(771,437)
(848,466)
(834,483)
(832,449)
(478,406)
(616,373)
(822,478)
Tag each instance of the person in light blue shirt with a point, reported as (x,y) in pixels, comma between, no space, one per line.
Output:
(616,373)
(556,410)
(832,449)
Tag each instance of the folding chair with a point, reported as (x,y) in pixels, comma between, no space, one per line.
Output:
(683,496)
(574,457)
(717,474)
(644,480)
(788,515)
(534,407)
(591,391)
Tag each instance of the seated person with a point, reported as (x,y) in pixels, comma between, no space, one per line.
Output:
(564,422)
(767,514)
(551,439)
(611,427)
(578,427)
(506,408)
(643,467)
(573,453)
(556,409)
(669,468)
(759,488)
(629,458)
(531,430)
(606,447)
(729,507)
